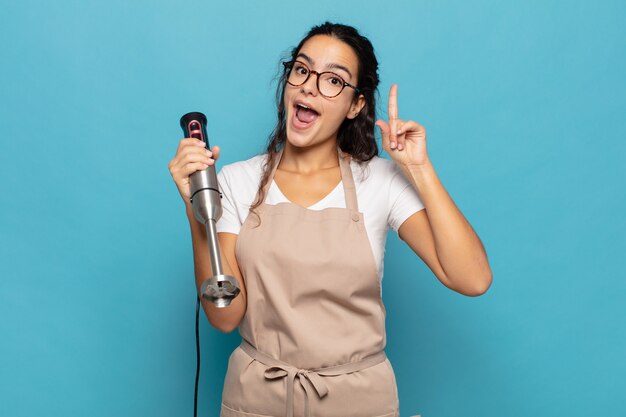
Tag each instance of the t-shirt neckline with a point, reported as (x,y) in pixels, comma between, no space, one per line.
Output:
(311,207)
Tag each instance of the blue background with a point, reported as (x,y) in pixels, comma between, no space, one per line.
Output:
(524,104)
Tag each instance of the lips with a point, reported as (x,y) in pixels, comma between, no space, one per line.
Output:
(304,104)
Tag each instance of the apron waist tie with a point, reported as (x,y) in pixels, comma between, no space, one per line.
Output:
(310,379)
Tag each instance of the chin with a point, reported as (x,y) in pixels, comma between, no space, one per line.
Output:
(298,140)
(301,139)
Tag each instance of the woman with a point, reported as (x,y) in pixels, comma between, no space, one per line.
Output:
(304,229)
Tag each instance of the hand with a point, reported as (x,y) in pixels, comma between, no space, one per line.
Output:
(191,156)
(404,141)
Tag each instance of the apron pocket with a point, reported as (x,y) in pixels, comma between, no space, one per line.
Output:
(226,411)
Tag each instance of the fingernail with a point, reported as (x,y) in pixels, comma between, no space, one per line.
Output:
(208,152)
(400,147)
(393,145)
(399,131)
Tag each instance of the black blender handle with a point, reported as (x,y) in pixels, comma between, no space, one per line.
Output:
(194,126)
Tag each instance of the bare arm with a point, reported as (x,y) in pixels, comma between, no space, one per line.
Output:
(191,156)
(228,318)
(440,235)
(443,238)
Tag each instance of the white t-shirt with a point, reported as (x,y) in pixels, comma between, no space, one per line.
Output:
(384,195)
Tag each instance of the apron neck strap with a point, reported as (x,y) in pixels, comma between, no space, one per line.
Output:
(348,182)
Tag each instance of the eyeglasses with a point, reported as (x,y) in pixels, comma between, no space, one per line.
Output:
(328,83)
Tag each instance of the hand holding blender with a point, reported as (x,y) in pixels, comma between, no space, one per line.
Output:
(204,195)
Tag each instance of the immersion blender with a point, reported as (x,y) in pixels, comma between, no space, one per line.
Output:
(220,289)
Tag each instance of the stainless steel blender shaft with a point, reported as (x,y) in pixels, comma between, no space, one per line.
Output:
(220,289)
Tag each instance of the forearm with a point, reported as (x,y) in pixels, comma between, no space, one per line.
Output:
(459,249)
(224,319)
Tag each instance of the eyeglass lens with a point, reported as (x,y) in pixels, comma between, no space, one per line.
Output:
(328,83)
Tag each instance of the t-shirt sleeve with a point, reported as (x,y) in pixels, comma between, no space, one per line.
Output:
(404,199)
(229,222)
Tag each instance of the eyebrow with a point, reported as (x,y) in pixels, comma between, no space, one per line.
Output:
(329,66)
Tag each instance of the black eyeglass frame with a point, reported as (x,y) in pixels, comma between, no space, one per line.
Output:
(289,66)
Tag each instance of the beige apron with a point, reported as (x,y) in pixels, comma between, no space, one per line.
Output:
(314,329)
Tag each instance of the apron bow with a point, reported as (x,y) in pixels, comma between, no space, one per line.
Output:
(306,378)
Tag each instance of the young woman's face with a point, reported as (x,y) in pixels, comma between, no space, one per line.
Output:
(304,127)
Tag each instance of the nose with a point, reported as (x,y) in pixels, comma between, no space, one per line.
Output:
(310,86)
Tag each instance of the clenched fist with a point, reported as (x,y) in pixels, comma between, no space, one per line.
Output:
(191,156)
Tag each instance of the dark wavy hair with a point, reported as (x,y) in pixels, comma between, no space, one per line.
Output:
(355,136)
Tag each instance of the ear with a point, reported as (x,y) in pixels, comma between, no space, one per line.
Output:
(356,107)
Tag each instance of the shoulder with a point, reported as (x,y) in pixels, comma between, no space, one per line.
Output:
(244,170)
(240,180)
(377,170)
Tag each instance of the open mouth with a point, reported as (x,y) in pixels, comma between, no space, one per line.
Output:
(304,116)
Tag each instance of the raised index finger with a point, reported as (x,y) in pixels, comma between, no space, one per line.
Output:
(393,103)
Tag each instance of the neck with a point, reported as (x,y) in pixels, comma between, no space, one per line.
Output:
(306,160)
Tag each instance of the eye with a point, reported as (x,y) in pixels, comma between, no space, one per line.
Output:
(336,81)
(333,80)
(300,69)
